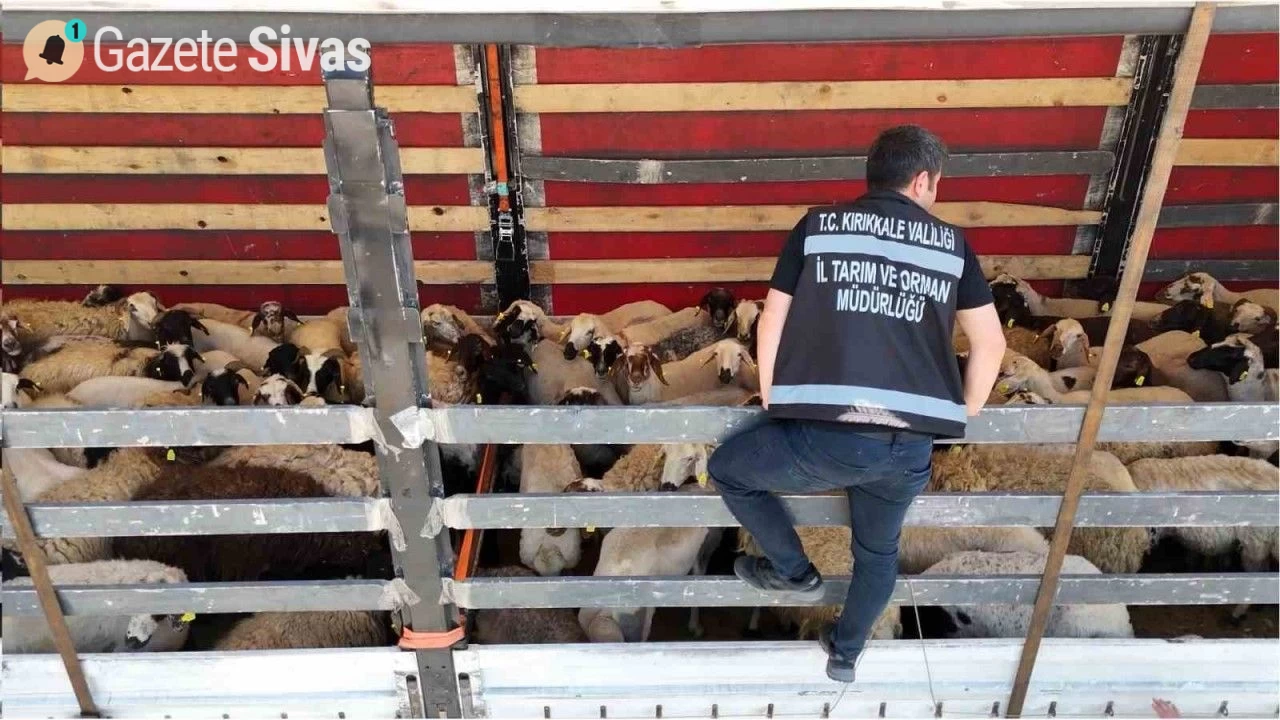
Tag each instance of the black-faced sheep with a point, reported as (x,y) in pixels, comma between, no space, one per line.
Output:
(174,326)
(1240,363)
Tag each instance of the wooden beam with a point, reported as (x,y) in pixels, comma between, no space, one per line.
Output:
(1234,153)
(776,217)
(257,99)
(759,269)
(1175,216)
(1259,97)
(218,161)
(1166,151)
(856,95)
(196,216)
(223,272)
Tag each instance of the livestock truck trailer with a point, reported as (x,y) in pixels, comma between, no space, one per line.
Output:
(412,172)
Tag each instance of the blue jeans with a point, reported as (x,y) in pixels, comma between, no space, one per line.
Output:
(880,472)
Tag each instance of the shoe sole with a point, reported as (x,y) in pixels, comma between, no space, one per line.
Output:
(839,675)
(798,592)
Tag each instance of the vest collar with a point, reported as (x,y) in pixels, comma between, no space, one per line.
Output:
(888,196)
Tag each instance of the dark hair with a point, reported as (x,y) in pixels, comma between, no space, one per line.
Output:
(900,153)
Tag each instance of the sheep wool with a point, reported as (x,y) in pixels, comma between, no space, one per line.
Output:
(525,626)
(1009,621)
(549,469)
(75,361)
(341,472)
(332,629)
(127,319)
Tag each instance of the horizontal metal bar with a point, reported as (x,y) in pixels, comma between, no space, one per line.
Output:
(212,517)
(1220,269)
(1175,216)
(577,510)
(292,596)
(796,169)
(576,592)
(1008,424)
(188,426)
(666,29)
(1259,97)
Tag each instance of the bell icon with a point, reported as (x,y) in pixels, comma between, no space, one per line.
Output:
(53,48)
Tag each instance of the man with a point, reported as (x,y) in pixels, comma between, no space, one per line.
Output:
(859,375)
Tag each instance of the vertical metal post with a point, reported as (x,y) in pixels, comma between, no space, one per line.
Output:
(368,213)
(1166,148)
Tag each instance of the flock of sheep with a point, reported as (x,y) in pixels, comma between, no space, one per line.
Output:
(1202,342)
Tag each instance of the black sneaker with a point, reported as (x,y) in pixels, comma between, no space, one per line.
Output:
(840,667)
(760,574)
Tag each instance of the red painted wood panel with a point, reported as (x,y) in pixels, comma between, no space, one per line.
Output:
(1206,185)
(1245,243)
(760,134)
(419,189)
(1227,124)
(216,245)
(1012,58)
(209,130)
(303,299)
(407,64)
(1241,58)
(633,245)
(1060,190)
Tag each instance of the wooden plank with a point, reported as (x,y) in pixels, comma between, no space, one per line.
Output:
(850,95)
(1262,96)
(1209,215)
(195,216)
(777,217)
(796,169)
(1250,152)
(219,160)
(1226,270)
(223,272)
(261,99)
(730,270)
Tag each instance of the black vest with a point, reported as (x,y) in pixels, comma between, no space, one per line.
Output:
(867,340)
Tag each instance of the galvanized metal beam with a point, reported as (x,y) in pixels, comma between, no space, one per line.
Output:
(664,29)
(609,510)
(574,592)
(1007,424)
(210,517)
(295,596)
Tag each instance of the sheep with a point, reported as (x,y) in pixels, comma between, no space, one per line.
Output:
(174,326)
(269,321)
(1221,473)
(102,295)
(524,625)
(746,321)
(641,469)
(36,471)
(730,396)
(1194,317)
(554,375)
(101,633)
(683,343)
(251,349)
(277,390)
(604,352)
(1071,351)
(232,558)
(645,552)
(654,331)
(318,335)
(1021,340)
(12,354)
(341,472)
(119,392)
(14,389)
(1240,362)
(642,377)
(328,375)
(64,364)
(1011,468)
(1026,397)
(1248,316)
(446,324)
(525,323)
(1012,620)
(1168,352)
(220,313)
(1105,290)
(1196,285)
(1020,373)
(129,319)
(720,304)
(1041,305)
(594,459)
(297,630)
(549,469)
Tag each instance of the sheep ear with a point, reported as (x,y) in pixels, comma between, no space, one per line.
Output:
(564,335)
(257,320)
(1047,332)
(746,358)
(195,323)
(710,357)
(291,315)
(656,364)
(240,379)
(28,384)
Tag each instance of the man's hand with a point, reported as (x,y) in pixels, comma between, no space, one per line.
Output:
(981,325)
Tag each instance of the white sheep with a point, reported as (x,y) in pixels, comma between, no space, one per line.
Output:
(101,633)
(643,378)
(1007,620)
(63,363)
(119,392)
(1196,285)
(745,317)
(318,335)
(549,469)
(1250,317)
(16,391)
(552,376)
(1021,373)
(272,320)
(251,349)
(278,390)
(446,324)
(1168,352)
(289,630)
(131,318)
(36,471)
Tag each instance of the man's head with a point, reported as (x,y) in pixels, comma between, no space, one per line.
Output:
(908,159)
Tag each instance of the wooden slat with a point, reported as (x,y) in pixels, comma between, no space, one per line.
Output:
(260,99)
(1234,152)
(777,217)
(755,269)
(223,272)
(219,160)
(1261,96)
(799,169)
(173,216)
(1176,216)
(685,97)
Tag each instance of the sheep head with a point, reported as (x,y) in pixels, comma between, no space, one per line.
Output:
(638,363)
(603,354)
(1248,316)
(174,326)
(269,321)
(729,356)
(1189,287)
(175,362)
(1015,373)
(1236,357)
(719,304)
(746,318)
(582,331)
(1026,397)
(1133,369)
(277,390)
(142,309)
(1068,335)
(222,386)
(10,346)
(442,323)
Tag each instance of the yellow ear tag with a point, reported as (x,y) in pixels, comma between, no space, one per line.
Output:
(1195,334)
(1139,380)
(1106,307)
(586,354)
(171,455)
(188,617)
(533,365)
(1010,323)
(590,529)
(1207,301)
(479,400)
(1002,388)
(1243,375)
(702,479)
